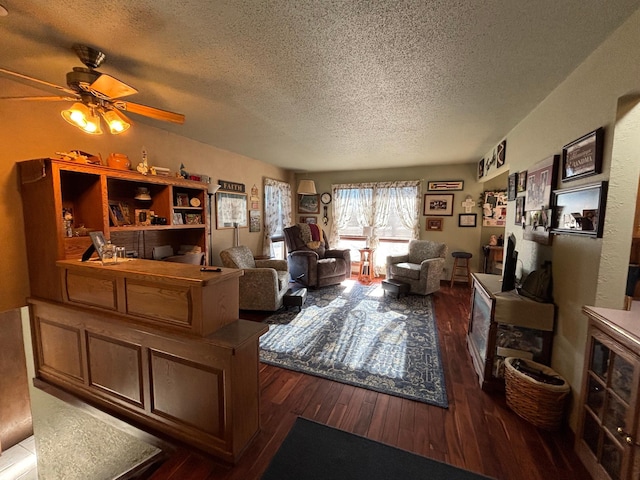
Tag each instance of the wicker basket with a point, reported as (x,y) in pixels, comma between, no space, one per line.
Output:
(539,403)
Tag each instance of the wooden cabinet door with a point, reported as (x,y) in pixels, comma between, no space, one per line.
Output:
(608,424)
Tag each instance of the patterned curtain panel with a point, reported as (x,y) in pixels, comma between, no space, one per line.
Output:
(277,211)
(343,201)
(371,205)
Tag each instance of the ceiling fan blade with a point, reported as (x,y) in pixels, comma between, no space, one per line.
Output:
(35,80)
(150,112)
(110,87)
(43,99)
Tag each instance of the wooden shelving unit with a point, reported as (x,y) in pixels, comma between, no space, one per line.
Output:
(51,186)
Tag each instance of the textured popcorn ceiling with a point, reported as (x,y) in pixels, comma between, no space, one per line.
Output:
(319,84)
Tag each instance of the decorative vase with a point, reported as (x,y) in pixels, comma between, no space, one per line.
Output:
(119,161)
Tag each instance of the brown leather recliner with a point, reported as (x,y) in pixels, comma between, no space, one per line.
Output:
(315,267)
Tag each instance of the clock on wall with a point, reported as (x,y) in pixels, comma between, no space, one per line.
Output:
(325,198)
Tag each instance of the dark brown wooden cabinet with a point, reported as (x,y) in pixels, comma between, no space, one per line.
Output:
(608,425)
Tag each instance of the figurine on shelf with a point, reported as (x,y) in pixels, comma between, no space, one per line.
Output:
(143,167)
(67,217)
(183,172)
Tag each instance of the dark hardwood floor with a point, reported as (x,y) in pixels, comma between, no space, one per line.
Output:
(477,432)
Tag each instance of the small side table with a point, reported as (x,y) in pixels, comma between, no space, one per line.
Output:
(366,267)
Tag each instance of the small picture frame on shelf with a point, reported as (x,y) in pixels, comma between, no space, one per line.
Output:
(126,213)
(312,220)
(143,216)
(177,218)
(117,216)
(467,219)
(434,224)
(98,241)
(182,200)
(192,219)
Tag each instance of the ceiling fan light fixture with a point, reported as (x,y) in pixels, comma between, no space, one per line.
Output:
(116,122)
(93,126)
(77,115)
(81,116)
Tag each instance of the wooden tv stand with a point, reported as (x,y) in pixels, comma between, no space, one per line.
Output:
(158,343)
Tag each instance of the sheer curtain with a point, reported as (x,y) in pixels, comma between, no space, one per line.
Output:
(277,212)
(343,201)
(371,205)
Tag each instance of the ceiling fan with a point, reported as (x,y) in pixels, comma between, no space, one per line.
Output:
(94,94)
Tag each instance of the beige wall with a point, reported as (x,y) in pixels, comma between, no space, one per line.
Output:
(456,238)
(35,130)
(586,271)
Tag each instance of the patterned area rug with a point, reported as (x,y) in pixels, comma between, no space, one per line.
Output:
(352,333)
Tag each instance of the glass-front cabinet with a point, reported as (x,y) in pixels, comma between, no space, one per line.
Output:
(504,324)
(608,424)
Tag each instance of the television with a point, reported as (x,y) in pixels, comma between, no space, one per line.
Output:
(510,262)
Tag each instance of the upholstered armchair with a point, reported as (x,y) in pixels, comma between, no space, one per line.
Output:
(264,282)
(421,268)
(311,261)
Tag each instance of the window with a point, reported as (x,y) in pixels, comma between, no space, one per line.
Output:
(391,208)
(277,213)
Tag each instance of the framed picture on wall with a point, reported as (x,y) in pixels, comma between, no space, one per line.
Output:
(308,204)
(541,180)
(438,204)
(467,219)
(445,185)
(512,187)
(583,157)
(254,220)
(231,209)
(522,181)
(519,219)
(434,224)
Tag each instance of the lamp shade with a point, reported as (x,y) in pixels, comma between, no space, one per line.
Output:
(76,115)
(307,187)
(115,121)
(213,188)
(79,115)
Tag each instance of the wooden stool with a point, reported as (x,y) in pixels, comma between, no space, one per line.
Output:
(461,263)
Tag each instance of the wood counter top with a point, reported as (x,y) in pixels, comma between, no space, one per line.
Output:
(624,323)
(155,270)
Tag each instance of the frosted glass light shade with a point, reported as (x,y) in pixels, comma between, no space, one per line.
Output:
(115,121)
(79,115)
